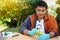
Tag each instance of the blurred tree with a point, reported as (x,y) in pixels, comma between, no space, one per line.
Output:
(58,1)
(58,18)
(16,8)
(8,9)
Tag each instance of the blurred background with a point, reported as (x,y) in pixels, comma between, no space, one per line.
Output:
(14,12)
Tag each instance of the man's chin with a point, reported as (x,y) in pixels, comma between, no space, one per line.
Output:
(40,17)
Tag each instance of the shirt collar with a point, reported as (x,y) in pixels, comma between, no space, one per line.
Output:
(46,17)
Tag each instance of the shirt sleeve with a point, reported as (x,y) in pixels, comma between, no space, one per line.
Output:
(25,25)
(53,25)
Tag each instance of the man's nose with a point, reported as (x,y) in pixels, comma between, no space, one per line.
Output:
(40,12)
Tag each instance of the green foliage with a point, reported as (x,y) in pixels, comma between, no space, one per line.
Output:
(16,8)
(8,8)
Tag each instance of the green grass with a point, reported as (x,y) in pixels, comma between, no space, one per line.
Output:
(5,28)
(12,29)
(2,27)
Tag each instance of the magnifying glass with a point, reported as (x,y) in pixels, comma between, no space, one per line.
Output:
(39,26)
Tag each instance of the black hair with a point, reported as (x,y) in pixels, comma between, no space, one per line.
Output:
(41,3)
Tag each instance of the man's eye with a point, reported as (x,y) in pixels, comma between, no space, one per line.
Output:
(38,10)
(43,10)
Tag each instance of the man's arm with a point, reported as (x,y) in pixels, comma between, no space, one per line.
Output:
(53,25)
(25,26)
(52,34)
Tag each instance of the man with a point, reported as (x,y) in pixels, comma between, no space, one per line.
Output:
(41,19)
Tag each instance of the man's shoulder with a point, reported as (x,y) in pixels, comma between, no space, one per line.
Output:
(33,15)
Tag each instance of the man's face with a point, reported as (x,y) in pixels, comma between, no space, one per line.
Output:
(41,11)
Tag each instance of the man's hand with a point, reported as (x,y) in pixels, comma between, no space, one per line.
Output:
(33,31)
(44,37)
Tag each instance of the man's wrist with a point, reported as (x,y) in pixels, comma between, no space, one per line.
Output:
(52,34)
(25,32)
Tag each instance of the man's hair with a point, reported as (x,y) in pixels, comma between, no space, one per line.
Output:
(41,3)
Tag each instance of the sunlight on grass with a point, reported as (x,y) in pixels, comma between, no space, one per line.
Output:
(2,27)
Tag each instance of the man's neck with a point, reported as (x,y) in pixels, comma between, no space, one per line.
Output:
(40,19)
